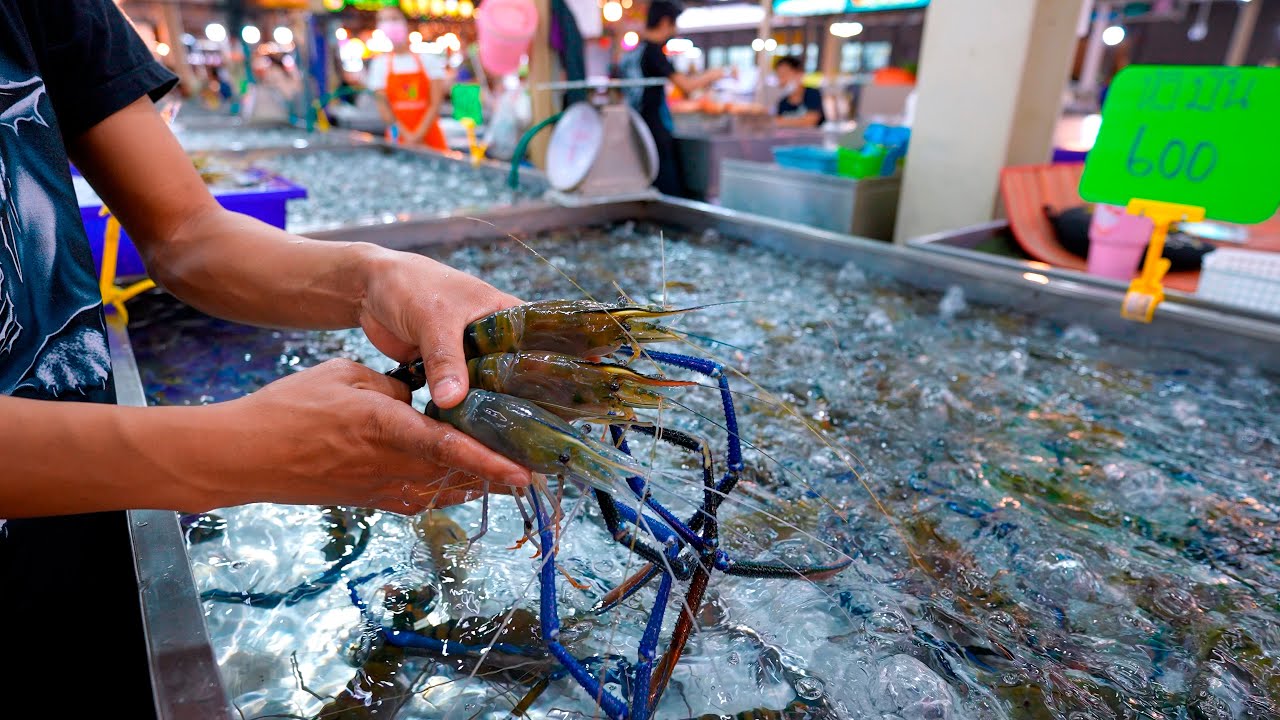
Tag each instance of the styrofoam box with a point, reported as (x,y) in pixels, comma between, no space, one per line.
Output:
(1244,278)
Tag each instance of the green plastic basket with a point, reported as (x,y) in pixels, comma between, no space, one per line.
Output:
(858,164)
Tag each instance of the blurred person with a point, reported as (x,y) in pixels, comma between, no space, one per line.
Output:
(799,106)
(649,61)
(268,99)
(78,84)
(407,97)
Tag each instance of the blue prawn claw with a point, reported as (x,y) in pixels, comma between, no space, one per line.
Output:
(530,436)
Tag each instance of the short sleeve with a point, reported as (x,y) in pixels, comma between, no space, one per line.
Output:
(813,100)
(376,78)
(93,61)
(654,62)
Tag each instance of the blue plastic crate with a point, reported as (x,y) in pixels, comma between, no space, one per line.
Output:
(265,200)
(807,157)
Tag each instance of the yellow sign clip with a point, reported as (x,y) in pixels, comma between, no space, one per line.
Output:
(1146,290)
(477,149)
(112,294)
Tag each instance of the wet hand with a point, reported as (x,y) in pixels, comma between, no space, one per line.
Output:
(343,434)
(416,307)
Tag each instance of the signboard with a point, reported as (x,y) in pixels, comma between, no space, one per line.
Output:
(839,7)
(1203,136)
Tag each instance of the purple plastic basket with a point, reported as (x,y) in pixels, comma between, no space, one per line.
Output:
(265,201)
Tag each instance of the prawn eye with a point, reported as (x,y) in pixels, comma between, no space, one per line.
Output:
(564,458)
(615,386)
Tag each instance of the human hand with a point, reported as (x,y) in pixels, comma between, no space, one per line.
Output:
(416,307)
(343,434)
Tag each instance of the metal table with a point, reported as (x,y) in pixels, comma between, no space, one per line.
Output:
(701,154)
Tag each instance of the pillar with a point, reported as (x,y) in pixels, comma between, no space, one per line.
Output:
(989,95)
(1246,21)
(541,69)
(171,21)
(1091,67)
(764,58)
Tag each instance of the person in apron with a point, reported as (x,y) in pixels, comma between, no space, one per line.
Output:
(411,102)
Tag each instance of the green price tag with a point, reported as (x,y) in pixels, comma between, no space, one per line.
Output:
(1204,136)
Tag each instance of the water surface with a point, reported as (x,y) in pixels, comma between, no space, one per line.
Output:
(1058,525)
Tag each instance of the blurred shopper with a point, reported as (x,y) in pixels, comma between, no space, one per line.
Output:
(799,106)
(409,100)
(648,61)
(280,87)
(77,83)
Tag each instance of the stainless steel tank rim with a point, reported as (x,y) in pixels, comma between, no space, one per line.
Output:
(935,243)
(185,681)
(527,175)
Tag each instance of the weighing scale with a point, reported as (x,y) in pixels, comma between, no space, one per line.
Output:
(579,168)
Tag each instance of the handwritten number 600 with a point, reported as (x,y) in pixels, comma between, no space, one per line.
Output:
(1173,160)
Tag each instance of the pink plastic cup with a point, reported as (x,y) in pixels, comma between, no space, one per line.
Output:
(504,29)
(1116,242)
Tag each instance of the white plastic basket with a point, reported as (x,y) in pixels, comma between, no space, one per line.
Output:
(1244,278)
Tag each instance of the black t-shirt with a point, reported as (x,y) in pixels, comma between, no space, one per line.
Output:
(811,102)
(648,61)
(65,65)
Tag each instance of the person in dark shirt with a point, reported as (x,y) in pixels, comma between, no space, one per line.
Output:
(800,106)
(648,61)
(77,83)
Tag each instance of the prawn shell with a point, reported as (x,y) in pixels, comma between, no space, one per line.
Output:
(567,386)
(580,328)
(528,435)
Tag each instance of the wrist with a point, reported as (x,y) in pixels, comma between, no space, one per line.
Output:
(368,262)
(181,455)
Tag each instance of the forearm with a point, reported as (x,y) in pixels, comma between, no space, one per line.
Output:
(800,121)
(67,457)
(239,268)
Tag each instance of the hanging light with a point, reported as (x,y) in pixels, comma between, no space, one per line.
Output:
(379,42)
(770,45)
(451,7)
(1113,35)
(251,34)
(757,45)
(162,49)
(612,11)
(846,30)
(340,33)
(215,32)
(282,35)
(333,5)
(466,8)
(415,37)
(630,40)
(437,7)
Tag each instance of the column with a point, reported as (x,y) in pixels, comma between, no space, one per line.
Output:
(1246,21)
(541,69)
(992,75)
(764,58)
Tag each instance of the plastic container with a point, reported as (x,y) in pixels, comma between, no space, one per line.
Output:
(894,139)
(1117,241)
(504,29)
(859,164)
(465,98)
(265,201)
(1244,278)
(812,158)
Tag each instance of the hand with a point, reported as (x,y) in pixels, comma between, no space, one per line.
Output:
(416,307)
(343,434)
